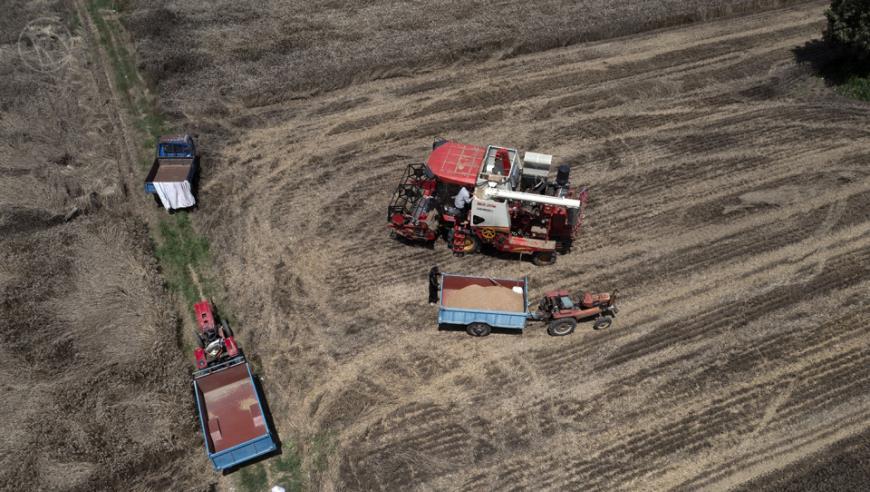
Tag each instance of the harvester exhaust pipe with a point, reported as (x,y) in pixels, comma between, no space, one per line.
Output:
(563,175)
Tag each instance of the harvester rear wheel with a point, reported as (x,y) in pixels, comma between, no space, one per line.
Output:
(544,258)
(562,327)
(478,329)
(603,323)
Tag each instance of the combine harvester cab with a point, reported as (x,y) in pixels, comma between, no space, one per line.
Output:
(229,406)
(173,174)
(515,205)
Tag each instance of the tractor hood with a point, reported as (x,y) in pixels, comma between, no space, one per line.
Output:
(456,163)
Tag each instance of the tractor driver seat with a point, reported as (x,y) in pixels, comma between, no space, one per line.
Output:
(565,303)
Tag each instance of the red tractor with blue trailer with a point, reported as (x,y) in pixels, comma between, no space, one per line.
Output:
(515,205)
(228,402)
(480,304)
(173,174)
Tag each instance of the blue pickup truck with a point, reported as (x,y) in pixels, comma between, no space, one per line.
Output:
(483,303)
(174,172)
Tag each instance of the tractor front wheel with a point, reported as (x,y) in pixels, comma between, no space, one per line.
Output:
(478,329)
(562,327)
(544,258)
(603,323)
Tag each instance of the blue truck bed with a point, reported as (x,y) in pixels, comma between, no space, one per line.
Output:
(172,177)
(466,300)
(231,416)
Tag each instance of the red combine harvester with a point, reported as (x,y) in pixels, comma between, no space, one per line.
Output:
(515,206)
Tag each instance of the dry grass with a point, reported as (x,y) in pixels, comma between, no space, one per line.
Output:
(96,389)
(268,52)
(706,187)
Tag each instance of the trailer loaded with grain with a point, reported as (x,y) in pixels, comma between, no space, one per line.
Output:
(483,303)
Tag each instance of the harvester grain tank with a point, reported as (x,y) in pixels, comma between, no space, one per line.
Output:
(228,403)
(515,207)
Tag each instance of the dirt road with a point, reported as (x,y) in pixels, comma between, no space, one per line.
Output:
(730,199)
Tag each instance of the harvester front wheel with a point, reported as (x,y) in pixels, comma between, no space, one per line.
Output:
(544,258)
(227,331)
(478,329)
(562,327)
(469,246)
(603,323)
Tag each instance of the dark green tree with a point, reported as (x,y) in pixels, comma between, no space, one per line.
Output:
(849,26)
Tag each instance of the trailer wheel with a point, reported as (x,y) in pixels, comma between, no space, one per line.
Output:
(603,323)
(544,258)
(478,329)
(562,327)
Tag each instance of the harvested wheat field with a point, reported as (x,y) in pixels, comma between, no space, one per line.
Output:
(730,193)
(729,204)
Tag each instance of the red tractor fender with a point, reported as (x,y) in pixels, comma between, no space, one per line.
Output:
(230,345)
(199,354)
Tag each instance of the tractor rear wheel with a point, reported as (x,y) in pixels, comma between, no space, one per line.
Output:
(478,329)
(544,258)
(562,327)
(227,331)
(603,323)
(199,340)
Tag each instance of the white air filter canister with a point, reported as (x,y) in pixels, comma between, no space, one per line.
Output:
(537,165)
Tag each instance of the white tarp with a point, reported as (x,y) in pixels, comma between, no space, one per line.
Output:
(175,194)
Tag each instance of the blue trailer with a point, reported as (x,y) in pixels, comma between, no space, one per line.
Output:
(174,172)
(230,410)
(483,303)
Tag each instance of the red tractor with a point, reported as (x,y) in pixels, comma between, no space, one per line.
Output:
(514,205)
(215,343)
(563,312)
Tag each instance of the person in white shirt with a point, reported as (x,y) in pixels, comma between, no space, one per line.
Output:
(462,199)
